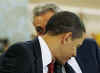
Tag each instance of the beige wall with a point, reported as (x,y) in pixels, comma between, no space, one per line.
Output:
(90,16)
(16,17)
(76,3)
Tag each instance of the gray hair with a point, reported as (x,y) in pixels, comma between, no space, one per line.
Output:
(38,10)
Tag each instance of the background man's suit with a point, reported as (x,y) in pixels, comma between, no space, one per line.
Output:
(26,58)
(88,57)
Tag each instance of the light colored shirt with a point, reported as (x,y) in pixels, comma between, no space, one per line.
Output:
(47,58)
(75,66)
(46,54)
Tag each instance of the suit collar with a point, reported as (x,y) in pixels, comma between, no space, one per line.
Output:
(46,53)
(38,56)
(74,64)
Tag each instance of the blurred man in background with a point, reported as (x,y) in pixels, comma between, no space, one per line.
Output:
(41,15)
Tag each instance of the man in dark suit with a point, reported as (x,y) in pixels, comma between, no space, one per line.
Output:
(42,13)
(64,31)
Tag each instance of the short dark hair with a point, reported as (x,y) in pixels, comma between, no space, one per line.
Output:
(63,22)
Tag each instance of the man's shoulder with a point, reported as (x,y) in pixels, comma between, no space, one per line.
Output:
(21,44)
(25,44)
(88,46)
(22,47)
(89,42)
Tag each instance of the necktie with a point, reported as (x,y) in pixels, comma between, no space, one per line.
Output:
(51,67)
(57,67)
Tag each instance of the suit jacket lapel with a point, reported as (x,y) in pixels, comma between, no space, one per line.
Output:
(81,65)
(38,55)
(68,68)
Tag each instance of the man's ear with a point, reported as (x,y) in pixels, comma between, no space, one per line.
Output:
(66,37)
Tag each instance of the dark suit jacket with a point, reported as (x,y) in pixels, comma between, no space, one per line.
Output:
(26,58)
(22,58)
(88,57)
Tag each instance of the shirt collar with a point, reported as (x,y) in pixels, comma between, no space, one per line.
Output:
(46,53)
(74,64)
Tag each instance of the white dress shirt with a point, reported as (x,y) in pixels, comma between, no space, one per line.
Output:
(46,54)
(47,58)
(75,66)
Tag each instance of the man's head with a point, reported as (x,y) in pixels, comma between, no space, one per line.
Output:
(41,16)
(64,32)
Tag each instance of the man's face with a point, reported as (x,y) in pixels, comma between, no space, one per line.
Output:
(67,49)
(41,21)
(70,47)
